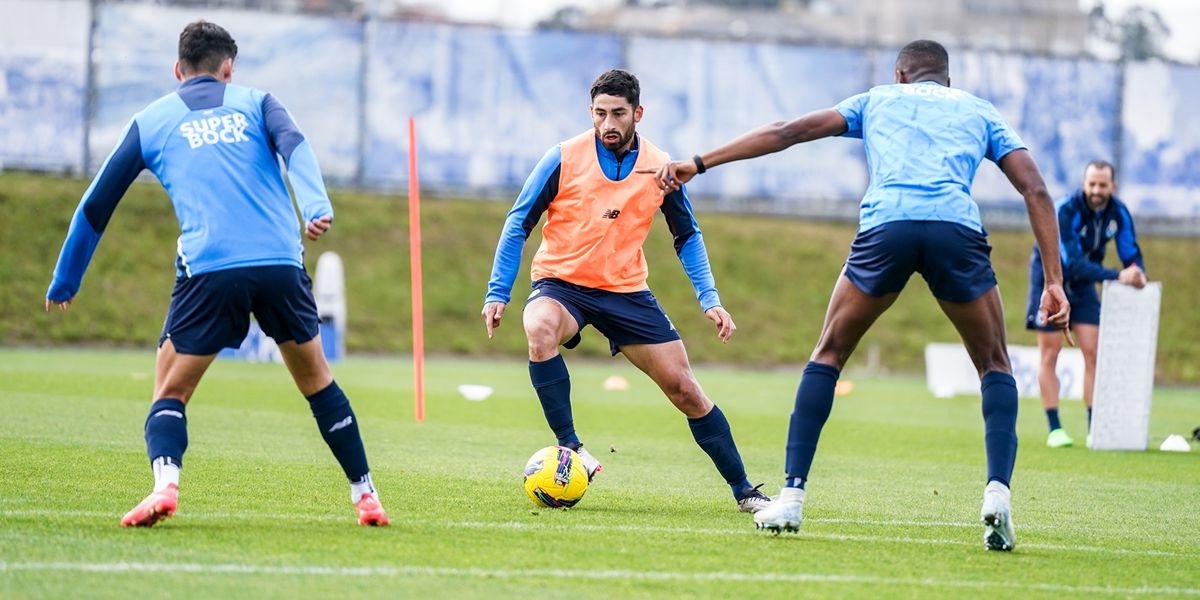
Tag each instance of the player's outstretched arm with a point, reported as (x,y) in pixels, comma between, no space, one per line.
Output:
(91,217)
(764,140)
(1020,169)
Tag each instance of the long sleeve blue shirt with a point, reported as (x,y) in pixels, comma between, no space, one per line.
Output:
(215,148)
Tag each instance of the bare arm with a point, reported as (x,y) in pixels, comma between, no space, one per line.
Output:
(1023,173)
(777,136)
(767,139)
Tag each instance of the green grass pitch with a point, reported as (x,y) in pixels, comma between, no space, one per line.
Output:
(264,511)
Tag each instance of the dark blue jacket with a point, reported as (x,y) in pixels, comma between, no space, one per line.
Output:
(1083,236)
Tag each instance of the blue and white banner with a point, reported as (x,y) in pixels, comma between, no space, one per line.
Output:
(42,105)
(43,84)
(700,94)
(310,64)
(1161,141)
(488,102)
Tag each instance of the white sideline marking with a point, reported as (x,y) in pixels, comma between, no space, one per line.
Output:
(561,574)
(569,527)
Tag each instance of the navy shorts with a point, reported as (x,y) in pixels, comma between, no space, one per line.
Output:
(631,318)
(1085,303)
(954,259)
(212,310)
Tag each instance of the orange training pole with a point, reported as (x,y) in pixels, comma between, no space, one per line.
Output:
(414,244)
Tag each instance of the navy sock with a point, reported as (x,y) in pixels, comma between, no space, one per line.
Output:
(1089,418)
(1000,424)
(1052,417)
(814,401)
(553,385)
(166,431)
(713,435)
(339,427)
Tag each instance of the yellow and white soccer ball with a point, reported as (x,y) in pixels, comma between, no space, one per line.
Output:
(555,477)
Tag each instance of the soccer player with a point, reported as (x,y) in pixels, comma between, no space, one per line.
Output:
(215,147)
(924,140)
(1087,220)
(590,270)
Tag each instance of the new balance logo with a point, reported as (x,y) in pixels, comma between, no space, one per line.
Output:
(344,423)
(612,213)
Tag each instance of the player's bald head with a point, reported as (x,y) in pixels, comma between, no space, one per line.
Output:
(924,60)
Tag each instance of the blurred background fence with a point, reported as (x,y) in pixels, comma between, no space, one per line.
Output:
(489,101)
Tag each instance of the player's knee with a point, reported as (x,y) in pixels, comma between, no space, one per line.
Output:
(1050,360)
(542,337)
(686,395)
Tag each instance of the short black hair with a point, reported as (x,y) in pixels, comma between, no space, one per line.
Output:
(924,56)
(1102,164)
(203,46)
(618,82)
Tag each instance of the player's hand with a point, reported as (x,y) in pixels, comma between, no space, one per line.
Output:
(61,305)
(492,313)
(725,326)
(1132,275)
(671,176)
(1055,310)
(315,228)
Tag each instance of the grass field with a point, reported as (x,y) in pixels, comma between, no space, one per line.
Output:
(775,275)
(892,509)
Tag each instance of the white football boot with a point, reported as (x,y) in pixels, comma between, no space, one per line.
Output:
(754,501)
(590,464)
(784,513)
(997,516)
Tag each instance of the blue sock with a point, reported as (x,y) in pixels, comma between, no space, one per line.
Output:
(1052,417)
(553,385)
(1000,424)
(339,427)
(814,401)
(166,431)
(1089,418)
(713,435)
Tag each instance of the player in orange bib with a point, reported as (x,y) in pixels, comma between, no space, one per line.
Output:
(590,270)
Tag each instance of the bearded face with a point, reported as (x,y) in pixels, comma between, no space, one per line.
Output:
(615,120)
(1099,186)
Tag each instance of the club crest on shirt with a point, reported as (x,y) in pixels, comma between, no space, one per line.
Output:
(1112,229)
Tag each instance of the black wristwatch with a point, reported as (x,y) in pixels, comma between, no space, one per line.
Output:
(699,164)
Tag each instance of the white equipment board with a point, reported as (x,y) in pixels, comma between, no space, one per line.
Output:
(1125,367)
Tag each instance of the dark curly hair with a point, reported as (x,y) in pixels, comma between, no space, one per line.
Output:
(203,46)
(618,82)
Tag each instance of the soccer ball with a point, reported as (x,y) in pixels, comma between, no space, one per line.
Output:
(555,477)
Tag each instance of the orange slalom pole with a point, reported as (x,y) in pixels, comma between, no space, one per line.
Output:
(414,245)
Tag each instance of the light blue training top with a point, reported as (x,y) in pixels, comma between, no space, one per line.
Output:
(924,142)
(215,147)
